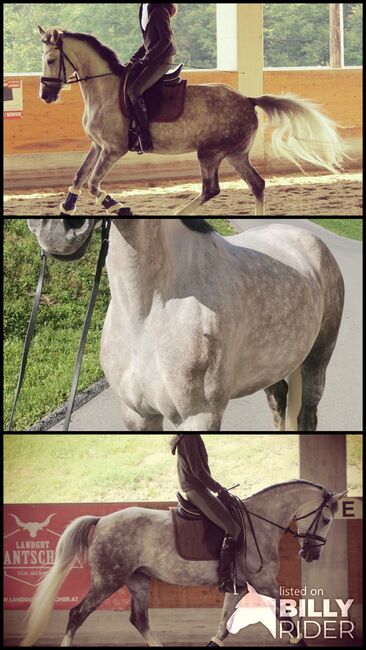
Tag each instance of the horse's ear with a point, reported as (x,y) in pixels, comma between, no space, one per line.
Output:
(337,497)
(56,34)
(41,30)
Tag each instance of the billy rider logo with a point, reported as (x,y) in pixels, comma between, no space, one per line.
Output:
(328,623)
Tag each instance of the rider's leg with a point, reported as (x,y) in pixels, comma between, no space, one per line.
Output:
(215,511)
(148,76)
(218,514)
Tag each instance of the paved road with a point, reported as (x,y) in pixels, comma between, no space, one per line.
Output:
(340,409)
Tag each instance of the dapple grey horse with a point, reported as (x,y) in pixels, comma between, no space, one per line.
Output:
(133,546)
(217,123)
(197,319)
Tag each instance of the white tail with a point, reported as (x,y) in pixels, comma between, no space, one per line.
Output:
(294,400)
(303,133)
(73,544)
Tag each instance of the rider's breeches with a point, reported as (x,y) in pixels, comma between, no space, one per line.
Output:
(147,78)
(215,511)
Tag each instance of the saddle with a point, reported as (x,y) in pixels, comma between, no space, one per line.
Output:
(196,537)
(164,101)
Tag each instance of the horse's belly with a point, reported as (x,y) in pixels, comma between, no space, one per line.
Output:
(271,353)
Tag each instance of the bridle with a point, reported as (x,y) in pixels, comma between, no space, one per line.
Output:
(106,226)
(309,536)
(312,536)
(62,77)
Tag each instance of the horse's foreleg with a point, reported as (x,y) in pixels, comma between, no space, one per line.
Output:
(202,422)
(105,162)
(288,628)
(68,207)
(230,604)
(136,422)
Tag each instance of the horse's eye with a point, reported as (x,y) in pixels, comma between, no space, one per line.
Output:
(50,61)
(327,520)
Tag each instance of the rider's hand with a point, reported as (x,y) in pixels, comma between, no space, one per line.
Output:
(137,65)
(224,496)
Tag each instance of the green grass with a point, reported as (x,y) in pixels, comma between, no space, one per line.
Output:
(49,468)
(223,226)
(351,228)
(59,322)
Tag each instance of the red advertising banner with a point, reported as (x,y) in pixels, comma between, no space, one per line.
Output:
(31,533)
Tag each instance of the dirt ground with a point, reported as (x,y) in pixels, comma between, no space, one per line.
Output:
(174,628)
(317,195)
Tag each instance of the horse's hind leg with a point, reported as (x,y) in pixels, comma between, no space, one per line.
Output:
(277,400)
(77,615)
(313,372)
(210,162)
(314,368)
(139,587)
(241,163)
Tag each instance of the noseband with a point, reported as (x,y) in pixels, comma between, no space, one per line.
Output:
(106,226)
(62,78)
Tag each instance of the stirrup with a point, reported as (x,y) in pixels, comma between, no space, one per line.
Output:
(134,143)
(142,148)
(230,587)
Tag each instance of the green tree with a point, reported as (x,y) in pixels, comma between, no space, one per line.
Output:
(296,34)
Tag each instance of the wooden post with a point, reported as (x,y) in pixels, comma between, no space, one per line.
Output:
(240,47)
(336,35)
(323,459)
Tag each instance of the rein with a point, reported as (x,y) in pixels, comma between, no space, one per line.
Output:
(243,511)
(62,78)
(106,226)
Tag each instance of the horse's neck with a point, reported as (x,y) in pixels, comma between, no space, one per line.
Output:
(281,503)
(89,64)
(150,261)
(142,263)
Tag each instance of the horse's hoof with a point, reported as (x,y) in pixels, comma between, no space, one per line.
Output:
(125,212)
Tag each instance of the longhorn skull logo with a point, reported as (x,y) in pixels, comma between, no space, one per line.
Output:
(33,527)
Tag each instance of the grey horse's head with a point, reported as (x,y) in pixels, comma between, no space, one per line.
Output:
(65,239)
(311,549)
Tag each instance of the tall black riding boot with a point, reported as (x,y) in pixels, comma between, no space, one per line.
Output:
(227,557)
(142,119)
